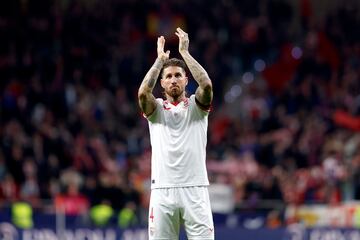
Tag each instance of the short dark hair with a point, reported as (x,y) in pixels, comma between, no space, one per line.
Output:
(174,62)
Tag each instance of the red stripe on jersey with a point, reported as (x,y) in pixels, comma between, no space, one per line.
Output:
(152,215)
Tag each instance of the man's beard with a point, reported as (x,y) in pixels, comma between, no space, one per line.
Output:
(175,92)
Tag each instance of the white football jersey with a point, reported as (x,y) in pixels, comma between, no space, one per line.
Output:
(178,135)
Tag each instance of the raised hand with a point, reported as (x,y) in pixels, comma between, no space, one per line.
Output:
(183,40)
(160,49)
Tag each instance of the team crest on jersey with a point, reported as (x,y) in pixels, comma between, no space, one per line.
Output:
(166,105)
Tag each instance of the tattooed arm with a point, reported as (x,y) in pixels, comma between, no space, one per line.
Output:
(204,92)
(146,99)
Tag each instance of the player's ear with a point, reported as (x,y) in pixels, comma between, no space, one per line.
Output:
(161,82)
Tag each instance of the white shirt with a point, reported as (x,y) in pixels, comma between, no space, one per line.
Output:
(178,135)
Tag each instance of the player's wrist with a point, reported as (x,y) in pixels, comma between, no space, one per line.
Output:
(161,60)
(184,52)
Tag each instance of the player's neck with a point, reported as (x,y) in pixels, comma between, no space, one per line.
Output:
(175,100)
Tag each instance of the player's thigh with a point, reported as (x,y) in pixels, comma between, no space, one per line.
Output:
(164,219)
(197,216)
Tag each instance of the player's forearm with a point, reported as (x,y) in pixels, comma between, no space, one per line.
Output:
(147,101)
(197,71)
(151,76)
(204,92)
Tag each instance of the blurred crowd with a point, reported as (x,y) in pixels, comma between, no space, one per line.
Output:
(285,123)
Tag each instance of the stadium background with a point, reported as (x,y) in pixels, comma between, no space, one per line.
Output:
(284,142)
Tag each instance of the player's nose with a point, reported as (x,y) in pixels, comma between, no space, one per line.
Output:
(173,79)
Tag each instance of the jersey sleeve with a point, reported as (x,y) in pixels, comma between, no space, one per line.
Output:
(199,111)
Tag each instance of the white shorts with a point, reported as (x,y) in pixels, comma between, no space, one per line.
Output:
(170,207)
